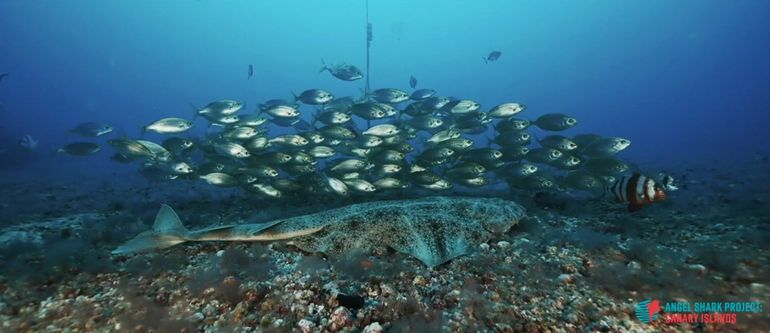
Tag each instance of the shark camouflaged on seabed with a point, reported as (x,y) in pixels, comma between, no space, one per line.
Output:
(433,229)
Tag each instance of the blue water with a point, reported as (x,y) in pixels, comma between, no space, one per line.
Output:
(683,80)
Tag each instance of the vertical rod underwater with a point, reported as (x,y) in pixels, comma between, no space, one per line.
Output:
(368,45)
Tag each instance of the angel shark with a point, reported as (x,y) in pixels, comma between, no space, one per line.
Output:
(433,229)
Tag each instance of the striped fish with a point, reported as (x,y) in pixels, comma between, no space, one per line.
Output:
(637,190)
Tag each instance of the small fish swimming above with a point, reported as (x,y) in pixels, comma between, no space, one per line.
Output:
(168,126)
(492,56)
(80,149)
(28,143)
(91,129)
(344,72)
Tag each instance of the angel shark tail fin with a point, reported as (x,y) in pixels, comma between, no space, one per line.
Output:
(166,232)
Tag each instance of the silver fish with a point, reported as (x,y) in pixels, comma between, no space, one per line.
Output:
(425,122)
(224,120)
(605,147)
(389,156)
(240,133)
(371,111)
(333,117)
(439,185)
(461,106)
(252,120)
(369,141)
(222,107)
(382,130)
(389,183)
(360,185)
(180,168)
(555,122)
(177,145)
(344,72)
(389,95)
(80,148)
(290,140)
(512,124)
(261,171)
(282,111)
(350,165)
(168,126)
(558,142)
(231,149)
(266,189)
(506,110)
(131,148)
(337,186)
(567,162)
(91,129)
(322,152)
(519,169)
(543,155)
(315,97)
(257,144)
(159,152)
(422,94)
(337,132)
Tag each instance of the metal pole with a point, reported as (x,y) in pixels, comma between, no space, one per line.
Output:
(368,45)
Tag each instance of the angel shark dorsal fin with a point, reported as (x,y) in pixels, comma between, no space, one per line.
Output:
(167,231)
(167,221)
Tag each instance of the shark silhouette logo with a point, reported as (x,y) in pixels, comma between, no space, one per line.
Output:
(647,310)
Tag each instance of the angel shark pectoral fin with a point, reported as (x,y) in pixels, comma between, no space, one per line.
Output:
(167,231)
(276,232)
(148,241)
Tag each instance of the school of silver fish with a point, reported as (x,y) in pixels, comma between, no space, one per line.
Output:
(316,144)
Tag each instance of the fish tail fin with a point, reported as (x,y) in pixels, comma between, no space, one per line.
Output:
(314,119)
(324,66)
(143,131)
(296,98)
(485,60)
(166,232)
